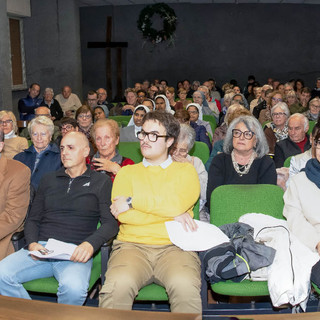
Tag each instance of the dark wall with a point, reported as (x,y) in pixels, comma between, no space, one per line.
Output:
(52,46)
(223,41)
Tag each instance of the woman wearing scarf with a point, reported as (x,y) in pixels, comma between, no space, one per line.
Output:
(277,130)
(129,133)
(314,110)
(302,202)
(13,143)
(162,103)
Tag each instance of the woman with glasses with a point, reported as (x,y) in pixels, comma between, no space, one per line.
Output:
(314,110)
(277,129)
(244,159)
(302,202)
(106,134)
(42,156)
(273,98)
(180,153)
(13,143)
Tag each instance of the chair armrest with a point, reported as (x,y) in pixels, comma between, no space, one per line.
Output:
(17,235)
(105,253)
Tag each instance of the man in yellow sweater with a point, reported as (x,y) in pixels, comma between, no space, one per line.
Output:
(145,196)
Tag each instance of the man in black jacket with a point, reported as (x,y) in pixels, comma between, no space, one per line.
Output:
(68,206)
(297,141)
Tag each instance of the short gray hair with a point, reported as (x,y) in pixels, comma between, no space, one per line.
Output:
(49,90)
(283,106)
(42,120)
(254,126)
(301,117)
(187,134)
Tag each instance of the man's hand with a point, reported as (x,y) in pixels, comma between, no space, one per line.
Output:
(106,165)
(186,221)
(35,246)
(82,253)
(119,205)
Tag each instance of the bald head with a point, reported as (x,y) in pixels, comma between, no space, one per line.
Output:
(78,137)
(43,111)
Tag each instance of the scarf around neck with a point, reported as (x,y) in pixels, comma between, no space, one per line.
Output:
(312,170)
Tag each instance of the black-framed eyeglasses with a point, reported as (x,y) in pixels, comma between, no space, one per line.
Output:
(152,136)
(275,114)
(317,144)
(248,135)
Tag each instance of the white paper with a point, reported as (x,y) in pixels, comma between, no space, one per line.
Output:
(60,250)
(206,236)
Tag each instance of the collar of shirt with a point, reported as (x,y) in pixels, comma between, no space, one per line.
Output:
(10,135)
(163,165)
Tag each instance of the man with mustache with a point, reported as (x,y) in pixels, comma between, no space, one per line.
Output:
(145,196)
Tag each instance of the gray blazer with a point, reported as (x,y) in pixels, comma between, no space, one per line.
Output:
(127,134)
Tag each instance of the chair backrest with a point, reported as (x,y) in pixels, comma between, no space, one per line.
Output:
(200,150)
(211,120)
(311,125)
(230,202)
(130,150)
(287,162)
(120,119)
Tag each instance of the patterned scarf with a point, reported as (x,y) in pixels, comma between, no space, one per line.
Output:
(280,133)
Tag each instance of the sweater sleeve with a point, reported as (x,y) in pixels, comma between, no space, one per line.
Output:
(109,226)
(296,219)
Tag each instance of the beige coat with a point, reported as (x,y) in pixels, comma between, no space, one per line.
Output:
(14,200)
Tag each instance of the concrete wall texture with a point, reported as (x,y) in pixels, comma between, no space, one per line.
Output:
(223,41)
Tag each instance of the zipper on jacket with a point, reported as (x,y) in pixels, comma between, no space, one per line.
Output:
(70,183)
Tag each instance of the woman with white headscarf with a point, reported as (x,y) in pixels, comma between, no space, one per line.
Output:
(129,133)
(162,103)
(200,98)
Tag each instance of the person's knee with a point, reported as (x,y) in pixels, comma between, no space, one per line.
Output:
(72,291)
(6,273)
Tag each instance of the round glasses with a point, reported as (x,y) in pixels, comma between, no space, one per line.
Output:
(248,135)
(153,137)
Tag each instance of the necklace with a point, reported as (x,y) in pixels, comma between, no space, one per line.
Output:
(242,169)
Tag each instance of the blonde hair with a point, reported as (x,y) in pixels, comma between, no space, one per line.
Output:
(11,115)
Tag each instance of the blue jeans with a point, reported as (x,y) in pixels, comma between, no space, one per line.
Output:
(19,267)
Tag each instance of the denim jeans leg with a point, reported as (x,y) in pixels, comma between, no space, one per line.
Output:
(18,268)
(73,278)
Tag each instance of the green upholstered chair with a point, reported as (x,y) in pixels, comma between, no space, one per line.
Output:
(228,203)
(50,285)
(121,118)
(287,162)
(212,121)
(200,150)
(155,292)
(311,125)
(130,150)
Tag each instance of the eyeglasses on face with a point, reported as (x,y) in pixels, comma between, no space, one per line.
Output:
(278,114)
(85,116)
(181,151)
(248,135)
(153,137)
(67,128)
(277,99)
(5,122)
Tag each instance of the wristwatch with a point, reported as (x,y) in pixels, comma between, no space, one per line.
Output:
(129,202)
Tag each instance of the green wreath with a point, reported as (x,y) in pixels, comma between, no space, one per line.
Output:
(169,23)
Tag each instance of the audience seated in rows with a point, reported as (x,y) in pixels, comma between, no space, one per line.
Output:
(14,144)
(14,195)
(67,209)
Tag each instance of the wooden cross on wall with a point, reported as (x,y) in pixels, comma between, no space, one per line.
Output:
(108,44)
